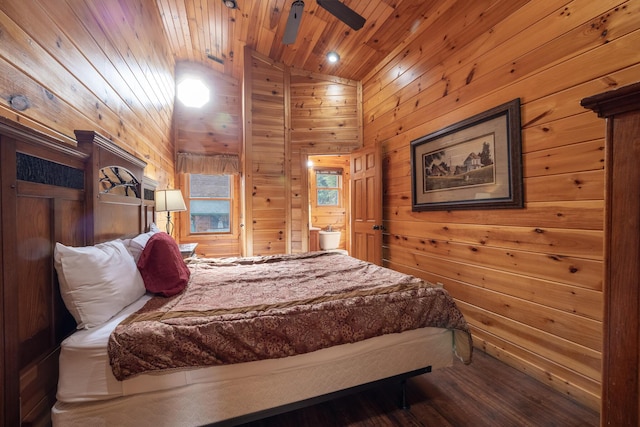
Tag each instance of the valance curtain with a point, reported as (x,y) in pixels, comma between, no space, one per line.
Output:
(208,164)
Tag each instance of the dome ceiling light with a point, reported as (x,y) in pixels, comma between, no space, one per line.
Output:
(231,4)
(193,93)
(333,57)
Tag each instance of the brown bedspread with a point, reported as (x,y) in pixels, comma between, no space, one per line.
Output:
(245,309)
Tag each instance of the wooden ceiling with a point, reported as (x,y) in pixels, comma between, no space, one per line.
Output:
(208,32)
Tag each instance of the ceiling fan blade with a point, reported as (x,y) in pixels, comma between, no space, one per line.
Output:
(343,13)
(293,22)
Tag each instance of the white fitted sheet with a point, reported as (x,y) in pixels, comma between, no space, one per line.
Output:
(88,393)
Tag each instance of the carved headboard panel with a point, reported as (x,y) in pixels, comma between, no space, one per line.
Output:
(116,189)
(42,197)
(53,192)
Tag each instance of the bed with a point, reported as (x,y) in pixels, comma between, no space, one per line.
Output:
(243,338)
(96,197)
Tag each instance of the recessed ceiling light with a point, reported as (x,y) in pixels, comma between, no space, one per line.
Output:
(231,4)
(333,57)
(193,93)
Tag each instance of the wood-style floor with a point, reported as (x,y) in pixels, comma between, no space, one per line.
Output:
(485,393)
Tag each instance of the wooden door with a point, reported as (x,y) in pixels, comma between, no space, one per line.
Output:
(366,205)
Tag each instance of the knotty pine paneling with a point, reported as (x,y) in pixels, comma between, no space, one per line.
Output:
(216,128)
(299,200)
(291,114)
(101,66)
(325,115)
(574,272)
(566,214)
(530,280)
(266,148)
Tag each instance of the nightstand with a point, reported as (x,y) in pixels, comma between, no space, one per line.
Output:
(187,249)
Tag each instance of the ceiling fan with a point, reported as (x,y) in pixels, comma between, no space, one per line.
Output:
(334,7)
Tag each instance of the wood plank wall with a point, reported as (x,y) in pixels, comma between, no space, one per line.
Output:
(216,128)
(100,66)
(529,281)
(289,115)
(267,207)
(326,118)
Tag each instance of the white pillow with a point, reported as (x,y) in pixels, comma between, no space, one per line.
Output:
(137,244)
(96,282)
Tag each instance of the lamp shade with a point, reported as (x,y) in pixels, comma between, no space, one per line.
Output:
(169,200)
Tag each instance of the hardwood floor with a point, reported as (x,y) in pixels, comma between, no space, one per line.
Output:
(485,393)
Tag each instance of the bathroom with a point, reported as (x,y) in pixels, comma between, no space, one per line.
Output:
(329,202)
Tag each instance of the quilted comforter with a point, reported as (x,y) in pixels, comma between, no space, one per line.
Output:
(244,309)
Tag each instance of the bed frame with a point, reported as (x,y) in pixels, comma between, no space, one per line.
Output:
(394,381)
(50,192)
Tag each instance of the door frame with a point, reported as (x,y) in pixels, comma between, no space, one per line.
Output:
(306,198)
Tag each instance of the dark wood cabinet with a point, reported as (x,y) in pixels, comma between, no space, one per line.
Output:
(621,347)
(314,239)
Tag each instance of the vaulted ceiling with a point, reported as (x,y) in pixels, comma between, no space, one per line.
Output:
(208,32)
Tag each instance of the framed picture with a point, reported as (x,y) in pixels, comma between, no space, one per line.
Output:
(473,164)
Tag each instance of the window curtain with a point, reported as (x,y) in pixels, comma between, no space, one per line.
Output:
(208,164)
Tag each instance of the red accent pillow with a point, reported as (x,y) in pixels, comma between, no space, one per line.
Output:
(162,267)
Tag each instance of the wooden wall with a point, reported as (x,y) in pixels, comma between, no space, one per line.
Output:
(289,115)
(530,280)
(216,128)
(94,65)
(326,118)
(266,148)
(99,66)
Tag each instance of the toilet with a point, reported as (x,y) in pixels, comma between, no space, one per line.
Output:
(329,240)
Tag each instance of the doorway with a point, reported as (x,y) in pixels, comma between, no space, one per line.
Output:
(329,198)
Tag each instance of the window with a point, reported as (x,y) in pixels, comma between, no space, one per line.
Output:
(328,187)
(210,203)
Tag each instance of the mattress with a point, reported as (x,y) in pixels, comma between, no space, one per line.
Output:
(85,373)
(201,396)
(268,307)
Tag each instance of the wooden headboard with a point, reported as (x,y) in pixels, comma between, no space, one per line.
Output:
(51,192)
(118,196)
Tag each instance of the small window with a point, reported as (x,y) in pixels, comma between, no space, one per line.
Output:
(210,203)
(328,187)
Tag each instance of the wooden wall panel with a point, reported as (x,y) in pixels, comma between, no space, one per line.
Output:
(101,66)
(325,113)
(90,65)
(289,115)
(530,280)
(266,150)
(299,190)
(326,118)
(216,128)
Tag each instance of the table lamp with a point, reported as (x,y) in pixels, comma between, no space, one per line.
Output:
(169,200)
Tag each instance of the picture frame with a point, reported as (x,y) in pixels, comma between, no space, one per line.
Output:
(473,164)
